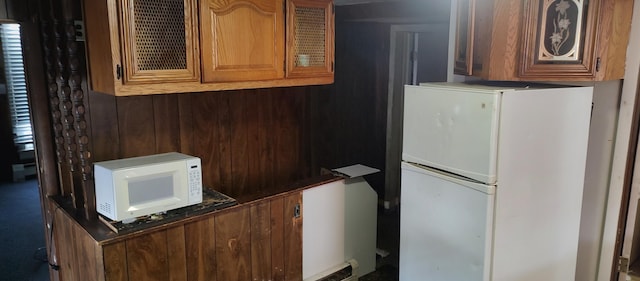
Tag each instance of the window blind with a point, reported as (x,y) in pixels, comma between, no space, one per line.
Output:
(16,86)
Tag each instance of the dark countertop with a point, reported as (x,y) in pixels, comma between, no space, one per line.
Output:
(104,234)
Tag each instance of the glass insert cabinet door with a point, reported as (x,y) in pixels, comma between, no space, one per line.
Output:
(310,38)
(559,38)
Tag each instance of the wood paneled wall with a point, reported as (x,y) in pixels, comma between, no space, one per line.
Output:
(256,241)
(352,121)
(248,140)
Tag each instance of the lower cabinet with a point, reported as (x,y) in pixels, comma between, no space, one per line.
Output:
(261,240)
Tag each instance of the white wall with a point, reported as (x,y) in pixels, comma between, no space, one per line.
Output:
(621,150)
(606,98)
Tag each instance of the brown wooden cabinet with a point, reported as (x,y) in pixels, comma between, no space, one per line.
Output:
(261,240)
(134,43)
(310,38)
(242,40)
(154,47)
(551,40)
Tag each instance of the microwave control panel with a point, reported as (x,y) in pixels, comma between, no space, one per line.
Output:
(195,181)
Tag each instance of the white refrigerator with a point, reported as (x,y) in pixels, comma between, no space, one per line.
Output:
(492,180)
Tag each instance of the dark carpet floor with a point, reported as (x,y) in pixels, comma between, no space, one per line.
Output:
(22,239)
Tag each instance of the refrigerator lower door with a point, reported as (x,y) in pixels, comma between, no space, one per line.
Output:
(445,227)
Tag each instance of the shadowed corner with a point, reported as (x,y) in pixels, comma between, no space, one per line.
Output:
(22,244)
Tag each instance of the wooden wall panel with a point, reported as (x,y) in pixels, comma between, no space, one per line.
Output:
(66,254)
(233,245)
(176,254)
(200,248)
(350,123)
(249,141)
(115,262)
(166,119)
(261,241)
(292,238)
(205,137)
(186,124)
(286,112)
(256,136)
(277,239)
(147,257)
(105,138)
(85,255)
(136,126)
(239,141)
(224,141)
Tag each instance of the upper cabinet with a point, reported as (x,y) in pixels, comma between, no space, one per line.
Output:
(242,40)
(310,38)
(173,46)
(543,40)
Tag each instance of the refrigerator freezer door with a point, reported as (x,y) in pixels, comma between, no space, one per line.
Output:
(452,129)
(445,227)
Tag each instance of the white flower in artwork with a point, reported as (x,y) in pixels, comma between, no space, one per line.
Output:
(562,7)
(561,24)
(564,23)
(556,38)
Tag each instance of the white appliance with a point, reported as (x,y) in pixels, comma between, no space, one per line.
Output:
(492,180)
(138,186)
(339,229)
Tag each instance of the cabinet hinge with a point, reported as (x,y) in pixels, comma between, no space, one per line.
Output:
(623,264)
(118,72)
(332,67)
(598,64)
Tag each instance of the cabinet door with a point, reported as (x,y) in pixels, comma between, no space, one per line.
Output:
(293,236)
(159,41)
(242,40)
(464,37)
(559,39)
(310,36)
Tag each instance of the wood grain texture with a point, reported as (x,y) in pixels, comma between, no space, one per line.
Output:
(292,238)
(147,257)
(105,138)
(102,38)
(228,54)
(86,249)
(295,37)
(66,254)
(166,119)
(613,38)
(136,126)
(277,239)
(176,253)
(239,141)
(182,87)
(261,241)
(287,132)
(505,39)
(133,33)
(233,245)
(186,124)
(115,262)
(224,145)
(201,250)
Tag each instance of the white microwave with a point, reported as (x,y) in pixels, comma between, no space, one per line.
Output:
(139,186)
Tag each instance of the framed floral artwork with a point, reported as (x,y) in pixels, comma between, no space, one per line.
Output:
(560,30)
(558,38)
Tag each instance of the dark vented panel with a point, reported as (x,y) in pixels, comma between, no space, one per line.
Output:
(160,34)
(310,31)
